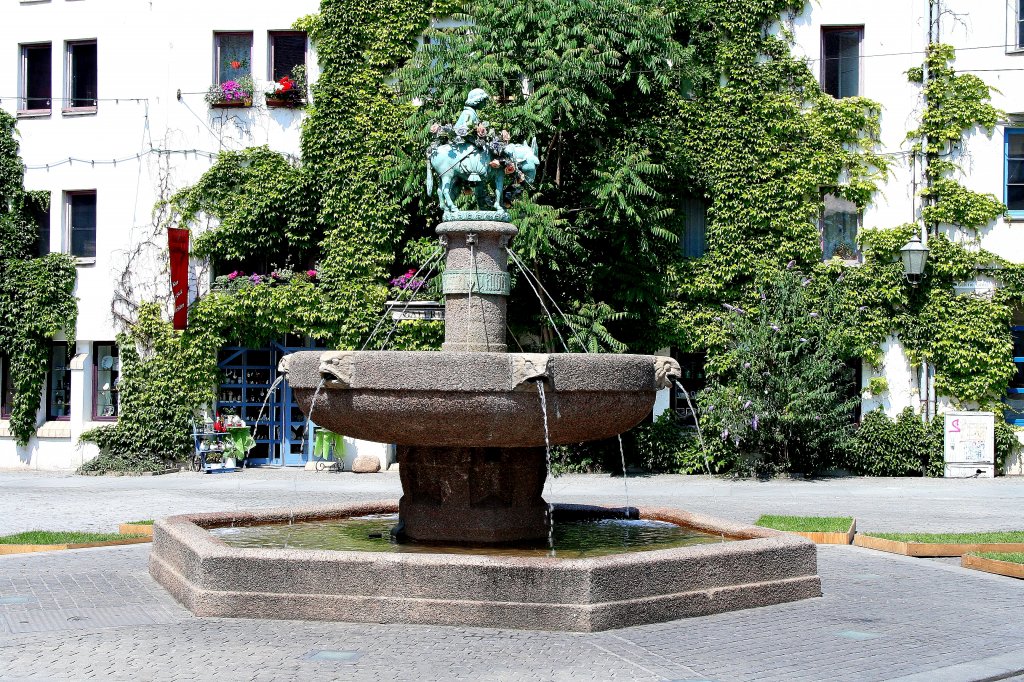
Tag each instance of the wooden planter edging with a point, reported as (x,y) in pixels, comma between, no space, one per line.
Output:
(135,529)
(23,549)
(830,538)
(933,549)
(1007,568)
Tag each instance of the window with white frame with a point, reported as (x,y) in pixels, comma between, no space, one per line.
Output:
(1018,26)
(1013,194)
(233,56)
(106,373)
(80,212)
(839,221)
(36,84)
(82,75)
(58,385)
(840,60)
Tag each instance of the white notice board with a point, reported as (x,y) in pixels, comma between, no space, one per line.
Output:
(970,438)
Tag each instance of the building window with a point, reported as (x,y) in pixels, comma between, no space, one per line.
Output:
(1018,25)
(58,386)
(287,51)
(693,240)
(1015,393)
(840,60)
(1014,173)
(82,75)
(38,208)
(839,221)
(6,387)
(105,375)
(35,78)
(233,56)
(81,223)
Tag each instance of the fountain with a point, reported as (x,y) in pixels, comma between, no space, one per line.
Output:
(472,424)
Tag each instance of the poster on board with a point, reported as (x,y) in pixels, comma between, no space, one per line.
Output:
(969,444)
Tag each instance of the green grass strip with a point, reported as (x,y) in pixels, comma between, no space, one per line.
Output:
(953,538)
(1013,557)
(806,524)
(147,522)
(59,537)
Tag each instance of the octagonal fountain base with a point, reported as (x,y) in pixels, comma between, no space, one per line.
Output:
(759,568)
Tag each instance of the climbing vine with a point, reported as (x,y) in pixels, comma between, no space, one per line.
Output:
(37,299)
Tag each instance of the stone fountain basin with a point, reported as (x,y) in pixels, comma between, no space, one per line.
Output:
(460,399)
(210,578)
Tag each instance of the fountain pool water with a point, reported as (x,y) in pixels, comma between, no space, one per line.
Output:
(573,538)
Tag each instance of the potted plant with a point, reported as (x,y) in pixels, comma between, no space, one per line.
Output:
(288,91)
(233,93)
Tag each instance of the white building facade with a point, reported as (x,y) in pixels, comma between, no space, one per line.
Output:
(109,100)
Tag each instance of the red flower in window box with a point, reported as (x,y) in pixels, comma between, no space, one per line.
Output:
(235,64)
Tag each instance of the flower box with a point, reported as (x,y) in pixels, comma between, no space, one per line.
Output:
(275,103)
(233,104)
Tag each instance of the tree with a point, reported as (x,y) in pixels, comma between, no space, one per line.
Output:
(781,396)
(595,84)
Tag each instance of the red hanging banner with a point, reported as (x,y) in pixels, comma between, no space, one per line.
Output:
(177,242)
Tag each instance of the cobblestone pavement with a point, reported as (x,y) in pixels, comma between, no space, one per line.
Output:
(96,614)
(39,500)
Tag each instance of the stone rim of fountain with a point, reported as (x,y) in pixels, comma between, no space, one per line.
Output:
(214,579)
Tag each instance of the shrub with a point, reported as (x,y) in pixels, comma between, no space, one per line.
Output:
(883,447)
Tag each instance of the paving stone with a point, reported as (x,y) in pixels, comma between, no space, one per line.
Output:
(96,614)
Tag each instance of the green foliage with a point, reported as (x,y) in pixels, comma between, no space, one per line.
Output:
(806,524)
(158,399)
(780,396)
(665,446)
(604,81)
(259,205)
(878,385)
(37,299)
(884,447)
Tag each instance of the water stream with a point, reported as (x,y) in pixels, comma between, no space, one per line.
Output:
(524,269)
(547,449)
(472,283)
(696,421)
(625,483)
(266,401)
(412,296)
(528,273)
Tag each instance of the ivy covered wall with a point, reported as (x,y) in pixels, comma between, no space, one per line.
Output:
(656,103)
(37,299)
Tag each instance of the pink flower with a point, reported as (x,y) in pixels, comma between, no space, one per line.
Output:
(505,136)
(434,128)
(311,274)
(233,276)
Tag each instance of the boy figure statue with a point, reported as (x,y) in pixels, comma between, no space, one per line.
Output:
(474,100)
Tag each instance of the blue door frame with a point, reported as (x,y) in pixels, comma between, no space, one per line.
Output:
(282,433)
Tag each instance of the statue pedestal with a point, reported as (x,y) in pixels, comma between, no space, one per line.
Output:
(472,495)
(476,284)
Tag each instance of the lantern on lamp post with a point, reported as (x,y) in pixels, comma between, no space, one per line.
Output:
(913,255)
